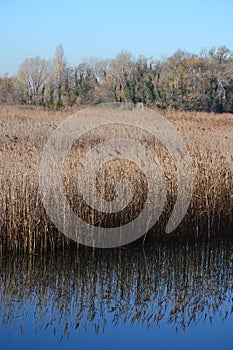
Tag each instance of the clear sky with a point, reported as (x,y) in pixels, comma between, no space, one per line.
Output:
(103,28)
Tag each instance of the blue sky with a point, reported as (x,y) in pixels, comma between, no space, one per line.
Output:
(103,28)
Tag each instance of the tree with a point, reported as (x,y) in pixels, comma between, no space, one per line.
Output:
(58,77)
(85,83)
(8,93)
(121,73)
(31,80)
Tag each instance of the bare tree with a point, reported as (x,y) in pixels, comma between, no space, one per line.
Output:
(58,75)
(31,80)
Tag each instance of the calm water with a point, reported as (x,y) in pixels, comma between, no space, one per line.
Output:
(171,296)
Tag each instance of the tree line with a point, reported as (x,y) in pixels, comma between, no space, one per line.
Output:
(183,81)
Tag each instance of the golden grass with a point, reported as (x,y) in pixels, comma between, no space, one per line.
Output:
(23,222)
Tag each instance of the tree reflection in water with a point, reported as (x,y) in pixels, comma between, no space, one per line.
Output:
(179,284)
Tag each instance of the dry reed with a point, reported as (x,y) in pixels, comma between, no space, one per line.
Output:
(24,224)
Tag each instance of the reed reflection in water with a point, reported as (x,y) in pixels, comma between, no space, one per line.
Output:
(176,284)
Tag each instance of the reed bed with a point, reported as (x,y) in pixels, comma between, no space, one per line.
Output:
(24,225)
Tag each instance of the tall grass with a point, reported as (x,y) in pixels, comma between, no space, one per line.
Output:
(24,224)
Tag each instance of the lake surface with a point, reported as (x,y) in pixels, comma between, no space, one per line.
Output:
(169,296)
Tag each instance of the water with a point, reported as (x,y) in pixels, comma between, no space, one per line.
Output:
(170,296)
